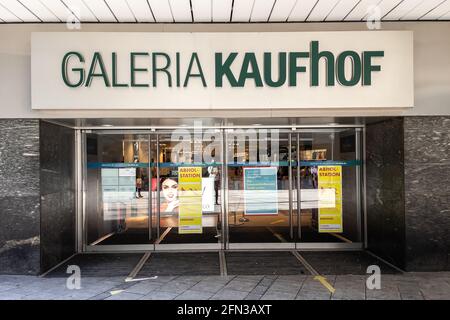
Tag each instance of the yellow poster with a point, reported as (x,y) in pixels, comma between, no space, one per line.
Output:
(330,198)
(190,197)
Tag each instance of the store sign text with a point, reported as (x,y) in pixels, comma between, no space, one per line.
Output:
(348,68)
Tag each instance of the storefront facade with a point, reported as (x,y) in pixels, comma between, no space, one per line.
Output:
(231,137)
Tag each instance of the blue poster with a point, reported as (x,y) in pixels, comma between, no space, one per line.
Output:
(260,191)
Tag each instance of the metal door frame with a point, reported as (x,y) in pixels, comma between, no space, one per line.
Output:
(81,174)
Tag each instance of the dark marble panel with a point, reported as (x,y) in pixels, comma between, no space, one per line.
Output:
(385,190)
(19,196)
(427,139)
(57,194)
(427,192)
(19,161)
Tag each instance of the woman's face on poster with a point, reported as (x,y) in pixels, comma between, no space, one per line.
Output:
(170,190)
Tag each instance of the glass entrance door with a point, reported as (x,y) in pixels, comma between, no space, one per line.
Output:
(260,211)
(188,191)
(222,189)
(329,178)
(117,184)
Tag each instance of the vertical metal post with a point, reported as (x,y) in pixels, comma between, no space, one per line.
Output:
(364,186)
(224,190)
(299,193)
(83,189)
(158,199)
(79,190)
(358,181)
(150,208)
(291,230)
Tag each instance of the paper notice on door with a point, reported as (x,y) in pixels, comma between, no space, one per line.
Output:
(330,198)
(190,197)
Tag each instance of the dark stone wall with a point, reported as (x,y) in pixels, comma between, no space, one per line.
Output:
(19,197)
(57,170)
(427,192)
(385,200)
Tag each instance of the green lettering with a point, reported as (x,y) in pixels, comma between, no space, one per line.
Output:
(249,61)
(114,72)
(223,69)
(294,68)
(315,59)
(281,69)
(194,58)
(368,67)
(97,59)
(133,69)
(356,68)
(64,66)
(163,69)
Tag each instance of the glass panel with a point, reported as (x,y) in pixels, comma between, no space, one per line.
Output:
(117,184)
(190,197)
(258,186)
(328,169)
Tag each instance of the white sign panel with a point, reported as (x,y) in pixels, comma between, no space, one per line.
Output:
(99,70)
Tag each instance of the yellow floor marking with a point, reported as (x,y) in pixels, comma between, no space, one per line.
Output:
(277,221)
(325,283)
(116,292)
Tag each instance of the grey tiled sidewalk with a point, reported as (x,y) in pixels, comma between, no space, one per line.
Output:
(417,286)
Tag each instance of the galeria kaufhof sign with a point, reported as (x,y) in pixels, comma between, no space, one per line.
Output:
(222,70)
(78,70)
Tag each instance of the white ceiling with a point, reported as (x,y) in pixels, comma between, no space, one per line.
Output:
(219,11)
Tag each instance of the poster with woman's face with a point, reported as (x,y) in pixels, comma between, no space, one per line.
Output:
(169,197)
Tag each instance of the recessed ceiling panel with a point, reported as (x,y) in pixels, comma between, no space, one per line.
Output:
(437,12)
(386,6)
(242,10)
(79,9)
(221,10)
(422,9)
(341,10)
(361,10)
(59,9)
(301,10)
(403,8)
(181,10)
(281,10)
(202,10)
(121,10)
(142,12)
(100,10)
(17,9)
(446,16)
(322,9)
(261,10)
(7,16)
(41,11)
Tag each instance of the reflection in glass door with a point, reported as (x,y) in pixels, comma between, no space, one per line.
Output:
(117,183)
(226,188)
(188,190)
(259,173)
(329,178)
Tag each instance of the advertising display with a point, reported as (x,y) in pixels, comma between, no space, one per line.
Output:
(190,200)
(330,205)
(260,191)
(118,186)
